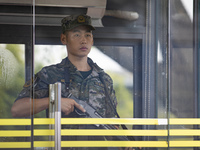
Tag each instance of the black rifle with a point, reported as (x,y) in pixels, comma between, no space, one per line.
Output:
(92,113)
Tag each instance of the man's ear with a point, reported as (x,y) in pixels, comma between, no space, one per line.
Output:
(63,39)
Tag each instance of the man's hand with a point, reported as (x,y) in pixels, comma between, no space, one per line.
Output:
(68,104)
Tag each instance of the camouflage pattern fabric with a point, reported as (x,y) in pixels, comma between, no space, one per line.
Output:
(89,89)
(73,21)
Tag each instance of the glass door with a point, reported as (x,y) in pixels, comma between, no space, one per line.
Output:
(16,67)
(148,48)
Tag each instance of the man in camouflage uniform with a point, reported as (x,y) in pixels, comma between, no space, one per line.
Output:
(78,75)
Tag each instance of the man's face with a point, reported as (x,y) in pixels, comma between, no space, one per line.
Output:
(78,41)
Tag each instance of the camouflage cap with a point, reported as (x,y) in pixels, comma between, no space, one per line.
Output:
(73,21)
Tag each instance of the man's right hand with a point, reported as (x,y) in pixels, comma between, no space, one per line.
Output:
(68,104)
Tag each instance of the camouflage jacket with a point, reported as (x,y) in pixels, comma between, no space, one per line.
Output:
(89,89)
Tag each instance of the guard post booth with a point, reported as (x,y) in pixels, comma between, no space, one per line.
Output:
(150,48)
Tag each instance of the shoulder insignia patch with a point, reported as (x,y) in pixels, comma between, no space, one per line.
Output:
(28,83)
(62,80)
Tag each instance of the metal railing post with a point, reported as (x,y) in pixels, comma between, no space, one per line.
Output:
(55,112)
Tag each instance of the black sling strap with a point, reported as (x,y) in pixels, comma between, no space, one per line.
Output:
(107,94)
(109,98)
(112,103)
(67,78)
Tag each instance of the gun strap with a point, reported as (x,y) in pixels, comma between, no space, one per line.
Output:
(112,103)
(109,98)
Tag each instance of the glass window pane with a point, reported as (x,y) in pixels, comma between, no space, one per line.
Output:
(181,60)
(12,75)
(181,64)
(16,42)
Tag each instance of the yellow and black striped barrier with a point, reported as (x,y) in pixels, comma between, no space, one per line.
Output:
(102,132)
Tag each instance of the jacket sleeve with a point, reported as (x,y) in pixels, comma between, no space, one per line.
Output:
(39,87)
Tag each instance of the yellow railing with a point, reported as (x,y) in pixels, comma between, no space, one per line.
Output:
(101,132)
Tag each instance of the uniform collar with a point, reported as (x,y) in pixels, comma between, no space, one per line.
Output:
(66,63)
